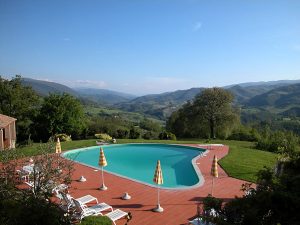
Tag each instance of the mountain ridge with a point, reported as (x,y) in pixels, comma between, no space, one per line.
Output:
(104,96)
(162,105)
(44,88)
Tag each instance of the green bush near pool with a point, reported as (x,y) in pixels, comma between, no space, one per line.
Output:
(96,220)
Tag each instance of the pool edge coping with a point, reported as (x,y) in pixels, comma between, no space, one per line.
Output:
(193,161)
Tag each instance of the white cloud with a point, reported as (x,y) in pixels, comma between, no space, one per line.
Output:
(67,39)
(197,26)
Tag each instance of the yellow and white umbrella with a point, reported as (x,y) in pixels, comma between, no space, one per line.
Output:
(58,147)
(158,179)
(102,163)
(214,171)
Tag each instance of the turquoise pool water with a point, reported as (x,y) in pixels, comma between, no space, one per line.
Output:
(138,162)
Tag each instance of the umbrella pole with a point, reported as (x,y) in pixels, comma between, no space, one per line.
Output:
(103,187)
(212,186)
(158,196)
(158,207)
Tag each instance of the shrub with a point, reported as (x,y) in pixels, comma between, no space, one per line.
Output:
(279,142)
(167,136)
(149,135)
(244,134)
(134,133)
(63,137)
(96,220)
(121,133)
(211,202)
(22,208)
(103,136)
(241,136)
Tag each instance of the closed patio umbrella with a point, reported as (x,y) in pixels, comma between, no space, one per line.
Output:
(58,147)
(214,171)
(158,179)
(102,163)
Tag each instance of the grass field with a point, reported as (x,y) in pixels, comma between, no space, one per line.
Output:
(129,116)
(242,162)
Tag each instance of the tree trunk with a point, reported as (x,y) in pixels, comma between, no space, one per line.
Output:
(212,129)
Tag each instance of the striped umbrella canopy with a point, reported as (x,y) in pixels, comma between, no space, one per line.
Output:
(102,159)
(58,146)
(214,167)
(158,177)
(102,163)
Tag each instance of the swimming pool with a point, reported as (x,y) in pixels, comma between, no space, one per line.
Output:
(137,162)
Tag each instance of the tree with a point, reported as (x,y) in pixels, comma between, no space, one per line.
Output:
(19,102)
(23,206)
(283,142)
(210,113)
(275,200)
(60,114)
(150,125)
(134,133)
(186,122)
(214,106)
(166,136)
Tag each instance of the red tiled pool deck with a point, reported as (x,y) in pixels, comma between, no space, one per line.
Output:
(180,206)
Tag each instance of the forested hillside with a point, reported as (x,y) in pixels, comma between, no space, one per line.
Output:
(256,100)
(103,96)
(160,105)
(282,97)
(43,88)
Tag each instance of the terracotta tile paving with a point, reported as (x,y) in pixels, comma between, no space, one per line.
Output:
(179,205)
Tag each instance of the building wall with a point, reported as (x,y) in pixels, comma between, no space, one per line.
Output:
(1,139)
(8,136)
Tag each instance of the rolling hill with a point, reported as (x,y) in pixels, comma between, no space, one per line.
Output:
(265,83)
(98,96)
(281,97)
(292,112)
(103,96)
(272,97)
(43,88)
(162,105)
(159,105)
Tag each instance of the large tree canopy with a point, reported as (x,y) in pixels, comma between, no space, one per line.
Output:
(60,114)
(211,111)
(19,102)
(214,105)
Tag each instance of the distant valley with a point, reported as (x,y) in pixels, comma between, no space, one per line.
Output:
(277,97)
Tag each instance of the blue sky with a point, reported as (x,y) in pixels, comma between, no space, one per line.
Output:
(150,46)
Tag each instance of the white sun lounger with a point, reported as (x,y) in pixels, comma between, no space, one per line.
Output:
(84,211)
(101,143)
(68,200)
(116,214)
(86,199)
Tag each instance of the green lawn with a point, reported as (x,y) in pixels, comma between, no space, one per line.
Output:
(130,116)
(242,162)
